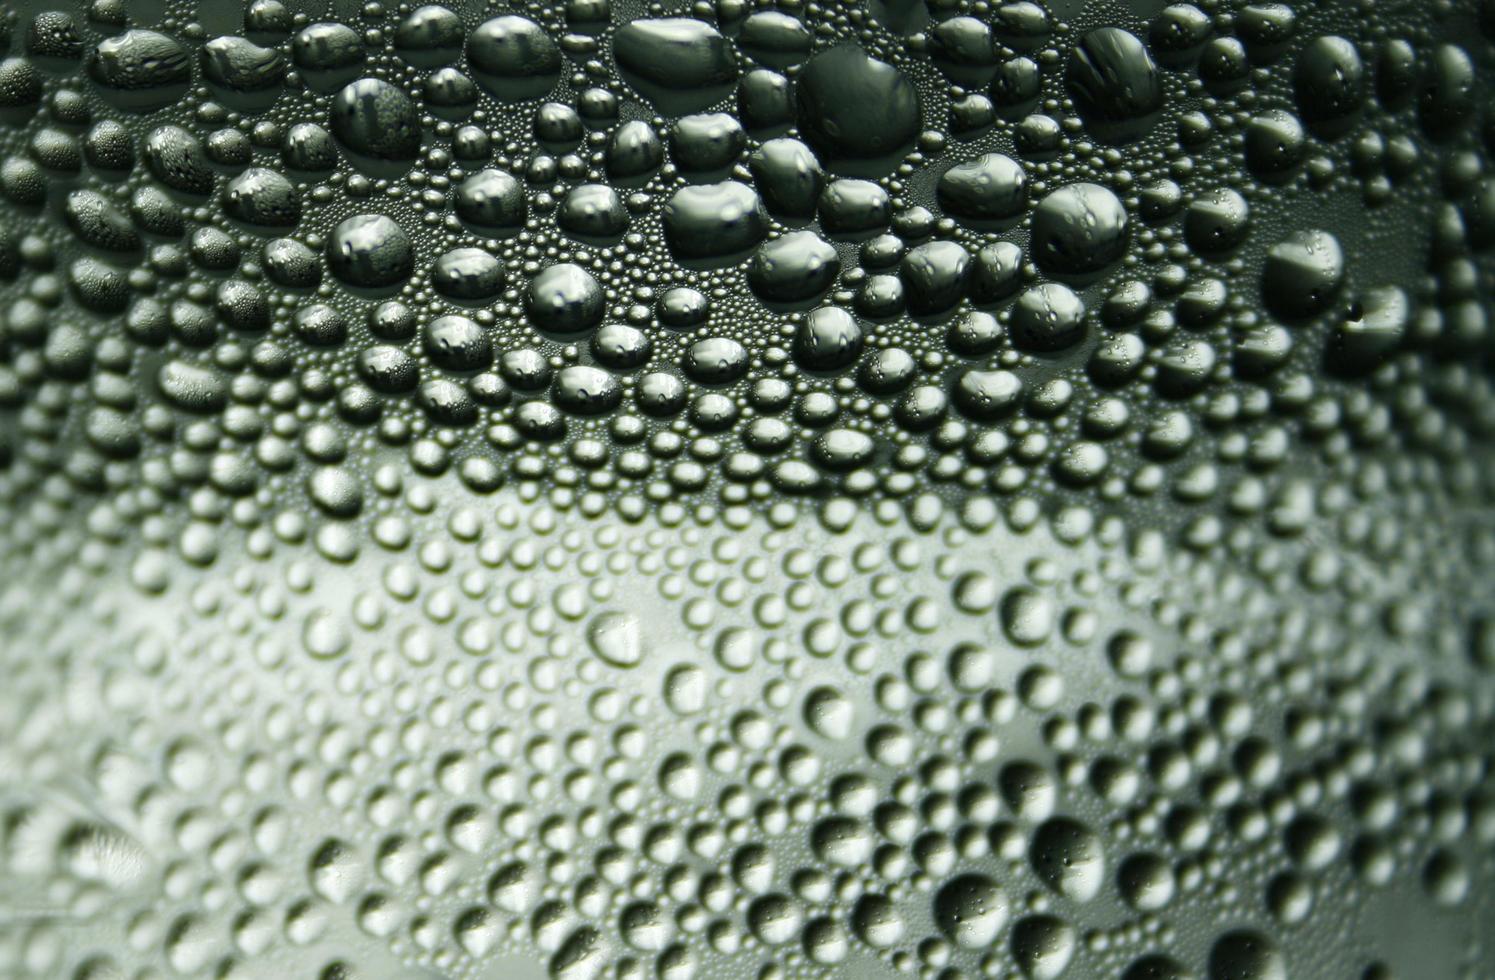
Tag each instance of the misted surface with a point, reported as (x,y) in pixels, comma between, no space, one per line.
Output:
(944,489)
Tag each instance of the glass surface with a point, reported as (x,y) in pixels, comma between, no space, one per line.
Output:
(944,489)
